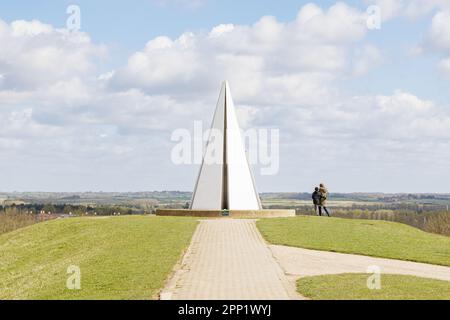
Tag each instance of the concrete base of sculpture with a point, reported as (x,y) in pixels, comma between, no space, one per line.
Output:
(226,214)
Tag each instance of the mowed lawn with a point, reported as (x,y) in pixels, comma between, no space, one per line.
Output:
(366,237)
(119,258)
(354,287)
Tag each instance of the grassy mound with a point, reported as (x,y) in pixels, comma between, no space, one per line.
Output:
(119,258)
(354,287)
(366,237)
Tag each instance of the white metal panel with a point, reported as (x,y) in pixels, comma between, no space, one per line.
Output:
(242,194)
(208,191)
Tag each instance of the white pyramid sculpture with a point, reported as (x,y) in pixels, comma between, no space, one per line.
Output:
(226,184)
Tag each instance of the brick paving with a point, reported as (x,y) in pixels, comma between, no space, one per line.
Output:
(229,260)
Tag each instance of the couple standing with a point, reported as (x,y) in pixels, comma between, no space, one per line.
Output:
(320,197)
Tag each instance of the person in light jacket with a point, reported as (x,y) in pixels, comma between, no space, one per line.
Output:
(323,199)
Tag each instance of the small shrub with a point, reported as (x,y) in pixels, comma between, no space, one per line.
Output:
(11,220)
(438,223)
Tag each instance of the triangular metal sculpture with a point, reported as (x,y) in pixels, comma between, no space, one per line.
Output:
(227,184)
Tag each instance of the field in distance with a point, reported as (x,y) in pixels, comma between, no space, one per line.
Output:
(176,199)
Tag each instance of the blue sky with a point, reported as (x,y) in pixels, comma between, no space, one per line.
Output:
(135,23)
(397,36)
(126,28)
(95,110)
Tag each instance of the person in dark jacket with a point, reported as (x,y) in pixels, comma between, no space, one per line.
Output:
(316,197)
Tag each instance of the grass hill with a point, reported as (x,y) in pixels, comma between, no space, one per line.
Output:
(119,258)
(131,257)
(366,237)
(354,287)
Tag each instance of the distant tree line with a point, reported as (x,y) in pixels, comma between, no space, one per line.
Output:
(391,198)
(75,210)
(374,206)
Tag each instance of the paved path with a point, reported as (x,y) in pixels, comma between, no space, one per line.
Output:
(229,260)
(301,263)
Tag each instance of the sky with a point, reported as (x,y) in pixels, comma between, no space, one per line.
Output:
(359,108)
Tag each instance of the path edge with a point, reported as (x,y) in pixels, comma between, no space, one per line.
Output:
(166,293)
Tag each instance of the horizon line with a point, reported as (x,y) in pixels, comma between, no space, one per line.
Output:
(262,192)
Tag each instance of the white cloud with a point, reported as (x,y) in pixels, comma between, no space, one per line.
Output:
(401,116)
(439,33)
(437,39)
(33,54)
(412,9)
(339,24)
(294,60)
(63,116)
(22,28)
(444,66)
(221,30)
(418,8)
(389,8)
(366,59)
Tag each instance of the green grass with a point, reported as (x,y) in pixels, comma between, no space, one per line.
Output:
(354,287)
(366,237)
(119,258)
